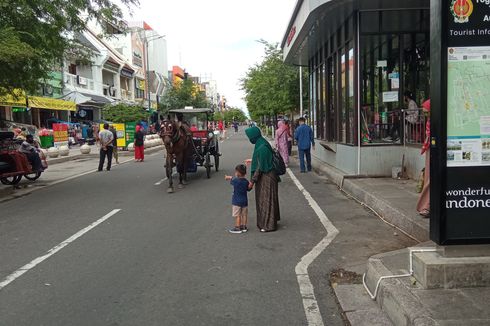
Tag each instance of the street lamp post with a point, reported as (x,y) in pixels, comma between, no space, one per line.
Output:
(147,41)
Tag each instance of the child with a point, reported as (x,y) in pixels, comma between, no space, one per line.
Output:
(240,198)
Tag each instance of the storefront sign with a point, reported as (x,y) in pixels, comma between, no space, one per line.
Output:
(291,34)
(60,134)
(16,109)
(462,125)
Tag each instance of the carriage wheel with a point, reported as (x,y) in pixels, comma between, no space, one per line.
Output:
(208,165)
(32,176)
(216,157)
(216,162)
(11,181)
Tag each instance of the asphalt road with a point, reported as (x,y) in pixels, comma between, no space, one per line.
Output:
(167,259)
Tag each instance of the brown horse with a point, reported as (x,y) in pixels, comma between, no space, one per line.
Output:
(178,146)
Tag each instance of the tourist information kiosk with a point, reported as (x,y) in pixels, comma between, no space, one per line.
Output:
(460,121)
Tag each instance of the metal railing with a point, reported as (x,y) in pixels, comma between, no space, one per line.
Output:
(126,95)
(414,126)
(72,80)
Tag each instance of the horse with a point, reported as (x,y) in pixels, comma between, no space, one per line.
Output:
(177,144)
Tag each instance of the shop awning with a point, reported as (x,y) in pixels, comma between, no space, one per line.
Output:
(51,103)
(87,99)
(16,99)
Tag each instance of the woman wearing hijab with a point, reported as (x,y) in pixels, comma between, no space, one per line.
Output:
(281,139)
(265,180)
(139,144)
(423,205)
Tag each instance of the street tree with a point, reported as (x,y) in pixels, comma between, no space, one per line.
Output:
(121,113)
(182,94)
(233,114)
(36,34)
(272,86)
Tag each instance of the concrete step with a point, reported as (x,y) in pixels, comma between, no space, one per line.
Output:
(358,307)
(394,296)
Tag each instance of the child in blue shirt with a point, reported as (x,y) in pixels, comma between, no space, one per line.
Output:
(239,200)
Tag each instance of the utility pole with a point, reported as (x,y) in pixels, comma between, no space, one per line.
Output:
(300,91)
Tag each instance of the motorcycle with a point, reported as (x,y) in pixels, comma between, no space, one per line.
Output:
(13,164)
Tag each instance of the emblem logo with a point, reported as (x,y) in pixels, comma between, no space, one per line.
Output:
(461,10)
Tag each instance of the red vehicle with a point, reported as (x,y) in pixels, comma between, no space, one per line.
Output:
(13,164)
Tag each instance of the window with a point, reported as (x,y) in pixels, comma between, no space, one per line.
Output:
(342,97)
(351,112)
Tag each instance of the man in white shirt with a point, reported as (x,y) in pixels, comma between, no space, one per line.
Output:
(106,147)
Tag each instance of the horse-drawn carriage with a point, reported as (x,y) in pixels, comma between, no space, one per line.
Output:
(189,143)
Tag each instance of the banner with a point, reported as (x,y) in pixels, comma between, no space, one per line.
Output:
(120,131)
(130,128)
(60,134)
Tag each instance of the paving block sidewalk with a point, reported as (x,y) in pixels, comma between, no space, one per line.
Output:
(393,200)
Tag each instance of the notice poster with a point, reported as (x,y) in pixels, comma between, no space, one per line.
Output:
(130,130)
(60,134)
(468,106)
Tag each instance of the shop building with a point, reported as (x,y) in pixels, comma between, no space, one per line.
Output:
(362,57)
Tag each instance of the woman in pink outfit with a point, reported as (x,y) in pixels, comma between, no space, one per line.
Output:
(423,205)
(282,141)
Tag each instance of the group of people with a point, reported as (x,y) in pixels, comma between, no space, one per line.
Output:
(264,177)
(107,138)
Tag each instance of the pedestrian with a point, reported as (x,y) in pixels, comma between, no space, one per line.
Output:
(235,126)
(423,205)
(115,151)
(106,147)
(265,181)
(221,129)
(139,144)
(239,201)
(281,141)
(304,137)
(290,137)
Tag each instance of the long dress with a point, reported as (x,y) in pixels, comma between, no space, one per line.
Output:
(267,200)
(282,144)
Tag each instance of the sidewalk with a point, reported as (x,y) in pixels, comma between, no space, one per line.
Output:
(392,200)
(401,300)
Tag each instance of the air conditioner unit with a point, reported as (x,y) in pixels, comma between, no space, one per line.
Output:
(112,91)
(82,81)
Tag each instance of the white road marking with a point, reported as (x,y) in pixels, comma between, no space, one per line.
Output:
(24,269)
(312,311)
(164,179)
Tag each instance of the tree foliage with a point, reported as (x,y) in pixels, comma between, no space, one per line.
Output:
(121,113)
(271,86)
(231,115)
(185,93)
(35,35)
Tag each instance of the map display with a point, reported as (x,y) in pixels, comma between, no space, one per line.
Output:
(468,106)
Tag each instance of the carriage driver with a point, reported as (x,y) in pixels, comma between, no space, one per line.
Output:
(29,149)
(183,124)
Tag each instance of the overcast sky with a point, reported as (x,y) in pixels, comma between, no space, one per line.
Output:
(217,37)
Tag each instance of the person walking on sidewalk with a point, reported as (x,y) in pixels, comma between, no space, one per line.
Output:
(423,205)
(115,152)
(106,147)
(281,141)
(304,137)
(139,144)
(265,180)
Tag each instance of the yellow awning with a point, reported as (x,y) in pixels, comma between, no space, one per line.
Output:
(51,104)
(19,99)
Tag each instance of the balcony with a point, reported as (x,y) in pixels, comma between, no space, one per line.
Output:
(127,95)
(78,82)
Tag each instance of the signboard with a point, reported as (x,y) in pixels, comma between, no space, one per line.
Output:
(460,121)
(120,131)
(60,134)
(130,129)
